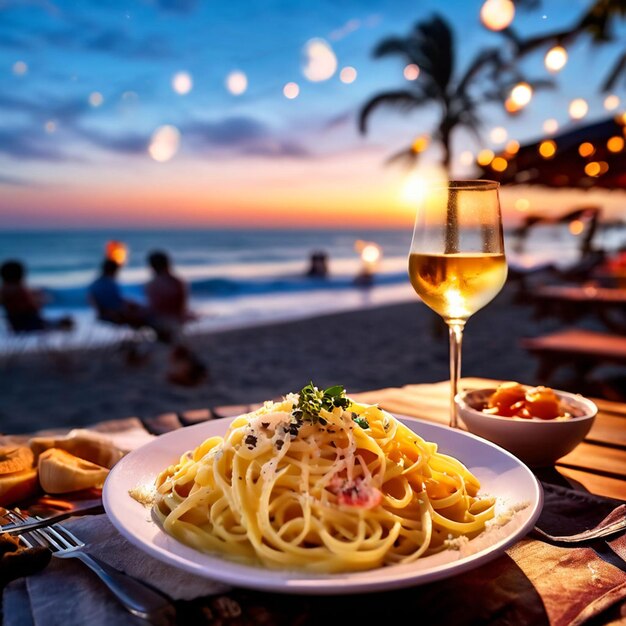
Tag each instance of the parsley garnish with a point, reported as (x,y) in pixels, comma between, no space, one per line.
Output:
(312,400)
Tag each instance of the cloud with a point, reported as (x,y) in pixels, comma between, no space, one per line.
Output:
(28,143)
(118,42)
(14,181)
(240,135)
(132,143)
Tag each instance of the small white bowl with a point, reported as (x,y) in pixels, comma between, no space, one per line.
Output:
(538,443)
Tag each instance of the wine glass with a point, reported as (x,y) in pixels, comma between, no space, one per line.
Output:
(457,263)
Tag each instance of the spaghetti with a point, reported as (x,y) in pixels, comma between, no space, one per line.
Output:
(340,487)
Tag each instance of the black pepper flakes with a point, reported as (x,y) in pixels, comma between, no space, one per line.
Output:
(279,444)
(250,441)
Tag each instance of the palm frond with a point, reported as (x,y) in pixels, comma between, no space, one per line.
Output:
(407,158)
(402,99)
(618,71)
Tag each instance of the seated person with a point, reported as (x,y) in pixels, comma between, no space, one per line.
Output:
(106,297)
(166,293)
(23,305)
(167,304)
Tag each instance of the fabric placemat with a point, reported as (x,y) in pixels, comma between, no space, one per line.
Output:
(532,584)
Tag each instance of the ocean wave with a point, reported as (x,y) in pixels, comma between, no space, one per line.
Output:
(230,287)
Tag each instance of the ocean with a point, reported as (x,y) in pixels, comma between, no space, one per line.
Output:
(240,277)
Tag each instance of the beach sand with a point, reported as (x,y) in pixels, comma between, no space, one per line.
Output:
(363,350)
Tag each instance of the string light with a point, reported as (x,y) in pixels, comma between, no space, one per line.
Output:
(164,143)
(586,149)
(485,157)
(411,72)
(578,108)
(547,149)
(291,91)
(497,14)
(555,59)
(236,83)
(498,134)
(182,83)
(347,75)
(512,147)
(522,94)
(550,126)
(611,102)
(499,164)
(320,61)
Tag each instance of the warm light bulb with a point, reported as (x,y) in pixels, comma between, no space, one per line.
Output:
(485,157)
(550,126)
(521,94)
(498,134)
(578,108)
(547,149)
(499,164)
(236,83)
(555,59)
(497,14)
(411,71)
(586,149)
(291,91)
(615,144)
(182,83)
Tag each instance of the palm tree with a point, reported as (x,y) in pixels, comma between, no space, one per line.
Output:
(431,46)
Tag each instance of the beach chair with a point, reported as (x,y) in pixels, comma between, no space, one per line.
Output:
(50,342)
(582,349)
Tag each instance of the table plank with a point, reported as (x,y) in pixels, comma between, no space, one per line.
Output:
(597,459)
(600,485)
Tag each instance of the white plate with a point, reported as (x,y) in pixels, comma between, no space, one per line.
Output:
(500,474)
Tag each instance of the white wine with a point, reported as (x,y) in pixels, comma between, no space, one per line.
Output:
(457,285)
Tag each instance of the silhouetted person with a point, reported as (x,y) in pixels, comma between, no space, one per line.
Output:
(106,297)
(166,293)
(23,305)
(319,265)
(167,305)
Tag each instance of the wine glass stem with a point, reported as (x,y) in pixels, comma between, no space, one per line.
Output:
(456,339)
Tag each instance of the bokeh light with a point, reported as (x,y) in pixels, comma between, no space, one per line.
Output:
(586,149)
(521,94)
(555,59)
(512,147)
(550,126)
(576,227)
(498,134)
(592,169)
(420,144)
(164,143)
(611,102)
(237,82)
(96,99)
(291,91)
(50,126)
(182,83)
(511,106)
(499,164)
(547,149)
(615,144)
(20,68)
(578,108)
(320,62)
(485,157)
(522,205)
(411,72)
(347,75)
(497,14)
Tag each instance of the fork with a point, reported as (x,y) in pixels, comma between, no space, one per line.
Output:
(136,597)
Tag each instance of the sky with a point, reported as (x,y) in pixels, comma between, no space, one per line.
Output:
(119,112)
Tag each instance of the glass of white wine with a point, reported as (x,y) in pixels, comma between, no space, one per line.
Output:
(457,263)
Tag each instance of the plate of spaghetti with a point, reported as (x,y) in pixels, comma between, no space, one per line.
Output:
(319,494)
